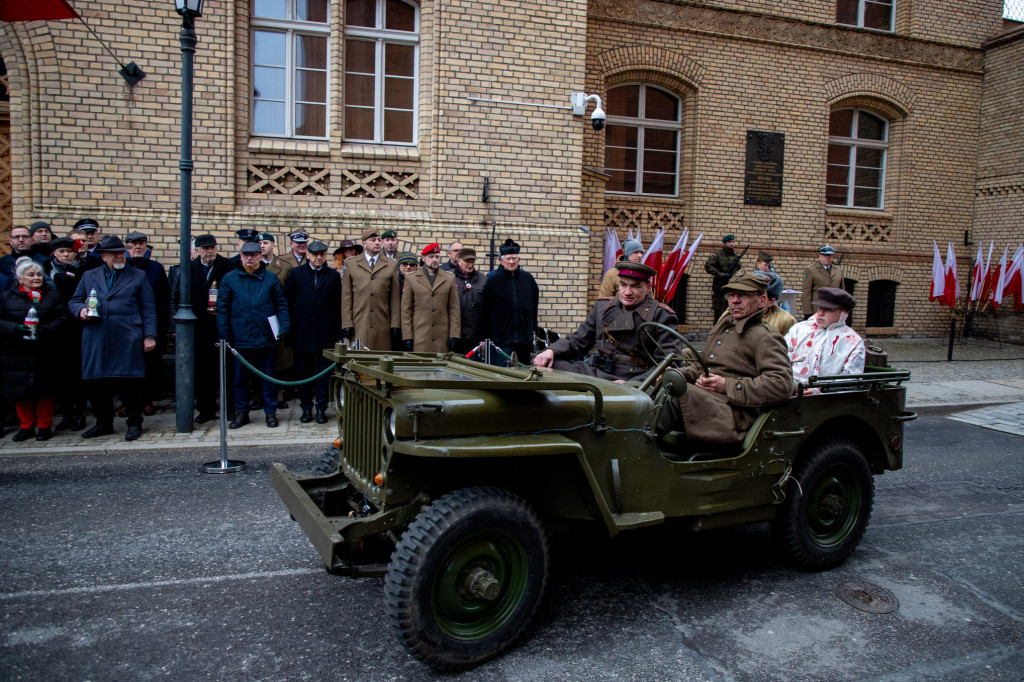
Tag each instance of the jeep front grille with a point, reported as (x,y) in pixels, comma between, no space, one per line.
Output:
(362,433)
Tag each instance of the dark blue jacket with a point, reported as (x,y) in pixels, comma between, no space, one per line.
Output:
(112,344)
(315,309)
(8,262)
(244,304)
(510,306)
(157,278)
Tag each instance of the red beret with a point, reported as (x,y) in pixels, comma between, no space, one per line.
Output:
(431,248)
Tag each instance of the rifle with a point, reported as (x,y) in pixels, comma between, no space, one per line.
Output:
(736,261)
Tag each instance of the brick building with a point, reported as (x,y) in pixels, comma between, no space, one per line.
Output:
(447,120)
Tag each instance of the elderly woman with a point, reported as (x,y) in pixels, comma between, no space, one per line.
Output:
(30,366)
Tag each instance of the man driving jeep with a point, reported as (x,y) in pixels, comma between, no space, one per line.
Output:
(620,351)
(748,368)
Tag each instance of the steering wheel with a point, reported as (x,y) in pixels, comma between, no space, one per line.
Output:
(682,339)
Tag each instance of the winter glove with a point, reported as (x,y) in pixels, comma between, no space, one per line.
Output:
(396,334)
(451,343)
(407,345)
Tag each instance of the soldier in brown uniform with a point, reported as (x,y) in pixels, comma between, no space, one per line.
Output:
(749,368)
(820,274)
(633,251)
(611,329)
(430,307)
(274,263)
(370,303)
(721,265)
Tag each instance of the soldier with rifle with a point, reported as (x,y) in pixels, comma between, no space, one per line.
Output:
(722,265)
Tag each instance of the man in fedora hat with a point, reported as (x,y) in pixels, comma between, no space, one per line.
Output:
(824,273)
(824,345)
(610,340)
(430,306)
(370,296)
(748,369)
(115,342)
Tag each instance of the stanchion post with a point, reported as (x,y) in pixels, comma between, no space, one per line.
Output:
(952,335)
(224,465)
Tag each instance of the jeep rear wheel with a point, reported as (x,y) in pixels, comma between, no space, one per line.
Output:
(466,577)
(823,520)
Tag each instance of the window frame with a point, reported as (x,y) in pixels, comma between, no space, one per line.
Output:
(861,7)
(290,27)
(382,37)
(642,125)
(854,143)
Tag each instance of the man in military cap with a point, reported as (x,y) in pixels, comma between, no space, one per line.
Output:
(824,273)
(298,240)
(470,284)
(633,251)
(511,303)
(721,265)
(370,296)
(620,351)
(91,228)
(748,369)
(764,262)
(313,291)
(430,307)
(272,261)
(245,236)
(389,244)
(140,257)
(824,345)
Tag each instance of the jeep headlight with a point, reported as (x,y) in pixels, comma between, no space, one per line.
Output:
(339,395)
(390,423)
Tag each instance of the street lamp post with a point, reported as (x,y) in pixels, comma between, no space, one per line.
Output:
(185,319)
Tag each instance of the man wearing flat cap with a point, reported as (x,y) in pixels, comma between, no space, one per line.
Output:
(632,251)
(114,342)
(470,284)
(748,369)
(140,258)
(610,340)
(824,273)
(511,302)
(389,244)
(721,265)
(371,297)
(824,345)
(430,306)
(297,255)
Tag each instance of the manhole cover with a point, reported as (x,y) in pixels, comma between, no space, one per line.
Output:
(867,597)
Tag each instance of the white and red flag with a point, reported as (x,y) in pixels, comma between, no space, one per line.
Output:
(986,284)
(1014,284)
(977,277)
(682,267)
(668,273)
(938,275)
(652,258)
(612,249)
(997,278)
(952,283)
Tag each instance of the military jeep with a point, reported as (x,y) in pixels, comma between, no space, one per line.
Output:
(452,473)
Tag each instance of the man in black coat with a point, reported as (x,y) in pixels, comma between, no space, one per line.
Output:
(139,257)
(65,268)
(313,291)
(511,300)
(20,239)
(207,271)
(470,284)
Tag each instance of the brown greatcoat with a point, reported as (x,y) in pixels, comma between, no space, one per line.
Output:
(280,267)
(609,284)
(752,357)
(370,300)
(817,276)
(430,315)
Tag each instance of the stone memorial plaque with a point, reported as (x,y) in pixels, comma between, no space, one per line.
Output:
(762,185)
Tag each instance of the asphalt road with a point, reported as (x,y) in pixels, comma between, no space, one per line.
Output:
(138,567)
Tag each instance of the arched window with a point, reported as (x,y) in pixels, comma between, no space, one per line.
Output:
(857,145)
(641,150)
(381,49)
(289,68)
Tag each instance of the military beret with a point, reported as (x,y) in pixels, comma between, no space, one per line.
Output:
(39,225)
(86,225)
(370,232)
(467,254)
(265,237)
(409,257)
(62,243)
(829,297)
(756,282)
(508,248)
(317,247)
(205,240)
(729,238)
(389,233)
(250,247)
(826,250)
(431,248)
(633,270)
(764,257)
(631,246)
(135,237)
(299,236)
(247,234)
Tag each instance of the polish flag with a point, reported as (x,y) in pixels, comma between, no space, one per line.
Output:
(652,258)
(37,10)
(612,249)
(952,283)
(668,270)
(938,275)
(1013,278)
(997,277)
(976,277)
(682,267)
(986,285)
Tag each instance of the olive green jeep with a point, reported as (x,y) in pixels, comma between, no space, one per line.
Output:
(451,474)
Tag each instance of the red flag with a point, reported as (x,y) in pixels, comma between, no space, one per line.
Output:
(682,266)
(37,10)
(1014,285)
(952,284)
(652,258)
(998,278)
(667,273)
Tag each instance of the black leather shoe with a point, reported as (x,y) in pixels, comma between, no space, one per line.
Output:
(45,433)
(133,432)
(204,417)
(240,420)
(321,415)
(23,434)
(272,420)
(307,415)
(98,430)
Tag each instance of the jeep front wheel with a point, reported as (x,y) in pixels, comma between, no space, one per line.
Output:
(466,577)
(823,519)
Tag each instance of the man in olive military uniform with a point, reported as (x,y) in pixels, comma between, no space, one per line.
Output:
(371,296)
(620,351)
(430,307)
(821,274)
(748,366)
(721,265)
(274,263)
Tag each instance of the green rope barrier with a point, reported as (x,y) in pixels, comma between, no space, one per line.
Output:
(279,382)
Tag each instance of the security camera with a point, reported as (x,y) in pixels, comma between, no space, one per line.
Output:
(579,108)
(597,118)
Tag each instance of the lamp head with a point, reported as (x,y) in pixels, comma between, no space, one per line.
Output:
(189,7)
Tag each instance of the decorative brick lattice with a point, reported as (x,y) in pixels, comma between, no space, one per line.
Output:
(288,180)
(632,219)
(379,184)
(857,232)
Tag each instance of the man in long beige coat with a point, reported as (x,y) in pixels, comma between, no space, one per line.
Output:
(431,319)
(748,365)
(370,295)
(821,274)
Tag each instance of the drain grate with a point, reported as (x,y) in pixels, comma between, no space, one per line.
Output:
(867,597)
